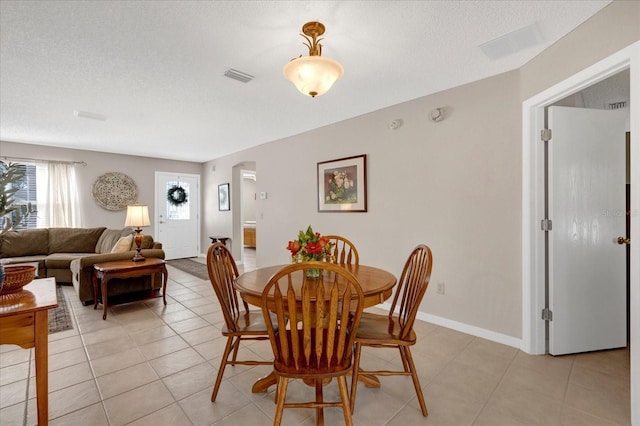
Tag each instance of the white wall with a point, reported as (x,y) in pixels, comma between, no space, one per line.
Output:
(140,169)
(248,199)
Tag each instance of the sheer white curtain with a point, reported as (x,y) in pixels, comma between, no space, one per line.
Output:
(63,204)
(42,194)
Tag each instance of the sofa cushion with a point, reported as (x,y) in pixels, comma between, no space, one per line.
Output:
(62,260)
(109,238)
(74,240)
(123,244)
(28,242)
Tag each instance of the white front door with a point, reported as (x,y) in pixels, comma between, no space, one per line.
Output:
(177,211)
(587,267)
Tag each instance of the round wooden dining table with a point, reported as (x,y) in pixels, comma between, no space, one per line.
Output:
(377,286)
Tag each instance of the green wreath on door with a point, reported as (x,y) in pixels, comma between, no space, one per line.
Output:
(176,195)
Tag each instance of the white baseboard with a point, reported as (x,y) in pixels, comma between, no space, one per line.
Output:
(465,328)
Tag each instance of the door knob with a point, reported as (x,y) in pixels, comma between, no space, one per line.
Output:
(162,221)
(623,240)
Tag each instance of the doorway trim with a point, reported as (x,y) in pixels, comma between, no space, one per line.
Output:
(533,196)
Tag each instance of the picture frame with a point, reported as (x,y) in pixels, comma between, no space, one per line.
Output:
(342,185)
(224,198)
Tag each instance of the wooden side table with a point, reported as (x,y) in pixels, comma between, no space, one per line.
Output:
(103,272)
(24,321)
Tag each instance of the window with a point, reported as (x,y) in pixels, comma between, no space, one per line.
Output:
(51,190)
(25,198)
(27,195)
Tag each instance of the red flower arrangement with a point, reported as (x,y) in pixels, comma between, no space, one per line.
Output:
(310,245)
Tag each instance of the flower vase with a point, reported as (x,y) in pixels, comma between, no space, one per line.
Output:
(312,272)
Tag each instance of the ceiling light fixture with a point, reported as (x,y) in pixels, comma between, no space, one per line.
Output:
(313,75)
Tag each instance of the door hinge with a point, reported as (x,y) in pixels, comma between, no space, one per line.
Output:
(546,224)
(547,315)
(545,135)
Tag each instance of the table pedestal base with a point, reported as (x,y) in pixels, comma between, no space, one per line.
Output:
(262,385)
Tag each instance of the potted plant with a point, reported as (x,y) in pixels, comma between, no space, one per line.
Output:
(12,213)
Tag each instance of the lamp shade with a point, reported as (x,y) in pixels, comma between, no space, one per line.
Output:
(137,215)
(313,75)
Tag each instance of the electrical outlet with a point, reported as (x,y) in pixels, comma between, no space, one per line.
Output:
(440,288)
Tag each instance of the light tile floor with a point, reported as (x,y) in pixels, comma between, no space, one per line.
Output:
(153,365)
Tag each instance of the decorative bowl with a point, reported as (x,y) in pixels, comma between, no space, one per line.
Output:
(16,277)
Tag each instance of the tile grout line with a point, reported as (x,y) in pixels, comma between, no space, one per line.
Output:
(26,394)
(493,391)
(93,373)
(176,401)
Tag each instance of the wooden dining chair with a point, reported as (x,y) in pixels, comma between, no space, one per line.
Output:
(316,320)
(395,330)
(239,324)
(344,251)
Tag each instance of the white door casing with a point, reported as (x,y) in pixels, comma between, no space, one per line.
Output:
(587,267)
(178,227)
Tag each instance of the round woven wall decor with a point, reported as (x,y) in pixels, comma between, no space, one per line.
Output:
(113,191)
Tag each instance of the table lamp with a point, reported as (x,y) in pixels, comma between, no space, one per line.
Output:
(137,216)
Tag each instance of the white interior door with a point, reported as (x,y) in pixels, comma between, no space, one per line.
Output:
(178,223)
(587,267)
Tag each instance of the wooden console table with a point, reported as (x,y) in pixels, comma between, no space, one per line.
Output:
(24,321)
(103,272)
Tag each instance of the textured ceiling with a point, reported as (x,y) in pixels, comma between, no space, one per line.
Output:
(154,70)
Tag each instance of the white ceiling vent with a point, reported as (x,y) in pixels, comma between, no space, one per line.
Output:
(238,75)
(89,115)
(512,42)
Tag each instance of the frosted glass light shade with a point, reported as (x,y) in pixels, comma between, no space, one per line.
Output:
(313,75)
(137,215)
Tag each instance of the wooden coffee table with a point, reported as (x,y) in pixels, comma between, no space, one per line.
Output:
(103,272)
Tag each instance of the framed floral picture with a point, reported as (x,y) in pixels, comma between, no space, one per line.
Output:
(342,185)
(223,197)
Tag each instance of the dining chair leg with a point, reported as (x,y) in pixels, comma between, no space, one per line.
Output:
(223,364)
(354,375)
(283,382)
(319,400)
(344,396)
(416,381)
(405,365)
(275,400)
(236,346)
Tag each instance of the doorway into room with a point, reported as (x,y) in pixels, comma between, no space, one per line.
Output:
(249,222)
(244,211)
(533,247)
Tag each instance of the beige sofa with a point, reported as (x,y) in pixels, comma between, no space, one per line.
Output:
(68,255)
